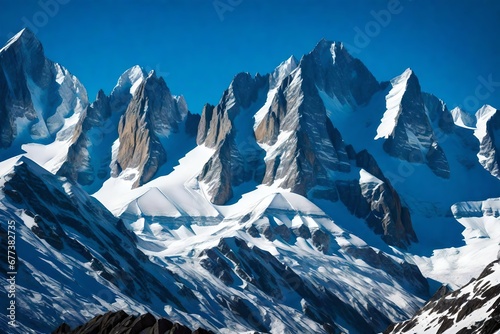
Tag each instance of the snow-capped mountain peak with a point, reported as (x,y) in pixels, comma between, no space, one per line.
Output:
(130,80)
(25,37)
(463,119)
(394,98)
(407,128)
(282,71)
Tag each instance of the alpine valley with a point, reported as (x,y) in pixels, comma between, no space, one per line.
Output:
(313,199)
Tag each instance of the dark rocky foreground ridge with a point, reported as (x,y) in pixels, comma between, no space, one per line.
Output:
(472,309)
(120,322)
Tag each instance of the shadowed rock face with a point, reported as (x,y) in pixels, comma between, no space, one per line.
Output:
(121,322)
(473,309)
(489,147)
(216,130)
(35,90)
(387,214)
(405,273)
(152,115)
(412,138)
(438,113)
(234,260)
(338,74)
(79,164)
(379,204)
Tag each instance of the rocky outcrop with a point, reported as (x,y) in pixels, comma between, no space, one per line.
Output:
(217,122)
(152,115)
(217,130)
(121,322)
(473,309)
(37,96)
(234,260)
(408,275)
(373,198)
(438,113)
(268,129)
(488,133)
(475,209)
(406,126)
(82,165)
(204,124)
(218,172)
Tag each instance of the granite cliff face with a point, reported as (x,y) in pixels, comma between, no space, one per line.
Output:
(293,143)
(297,142)
(235,157)
(407,128)
(82,165)
(152,115)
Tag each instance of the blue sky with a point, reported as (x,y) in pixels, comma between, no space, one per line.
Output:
(198,46)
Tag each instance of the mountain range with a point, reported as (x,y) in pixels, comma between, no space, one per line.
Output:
(313,199)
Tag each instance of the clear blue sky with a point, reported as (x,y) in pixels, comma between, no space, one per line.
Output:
(198,46)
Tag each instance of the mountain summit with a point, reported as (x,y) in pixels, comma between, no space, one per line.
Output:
(40,99)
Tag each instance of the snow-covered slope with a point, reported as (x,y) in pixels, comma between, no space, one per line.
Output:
(456,266)
(69,242)
(74,259)
(463,119)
